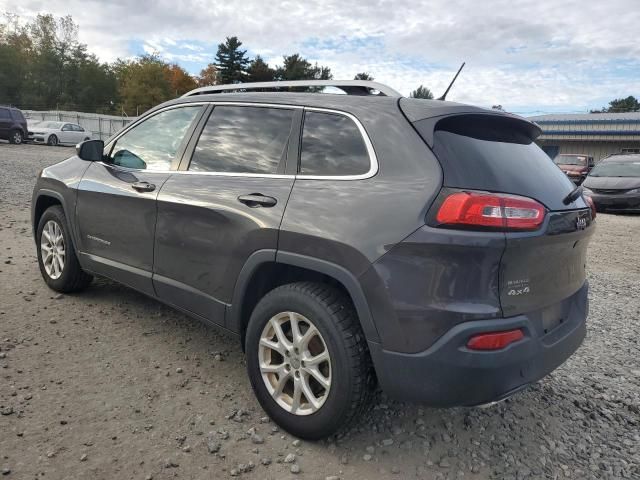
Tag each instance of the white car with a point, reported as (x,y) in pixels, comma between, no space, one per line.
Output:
(58,133)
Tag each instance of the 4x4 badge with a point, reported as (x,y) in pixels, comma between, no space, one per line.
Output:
(581,223)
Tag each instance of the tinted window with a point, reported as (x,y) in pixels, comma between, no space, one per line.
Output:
(17,115)
(332,145)
(4,113)
(243,140)
(518,168)
(153,144)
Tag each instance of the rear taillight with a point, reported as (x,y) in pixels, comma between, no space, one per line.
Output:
(495,340)
(495,211)
(591,204)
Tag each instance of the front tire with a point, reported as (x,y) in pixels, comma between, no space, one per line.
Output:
(16,137)
(52,141)
(57,259)
(307,359)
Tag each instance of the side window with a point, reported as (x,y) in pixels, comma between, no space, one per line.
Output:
(4,114)
(153,144)
(77,128)
(243,140)
(67,128)
(332,145)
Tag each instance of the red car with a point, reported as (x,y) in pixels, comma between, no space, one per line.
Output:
(576,166)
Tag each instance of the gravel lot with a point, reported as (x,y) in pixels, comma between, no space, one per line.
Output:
(111,384)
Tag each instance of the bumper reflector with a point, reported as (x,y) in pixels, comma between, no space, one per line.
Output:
(494,340)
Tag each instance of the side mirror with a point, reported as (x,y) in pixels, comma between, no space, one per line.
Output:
(91,150)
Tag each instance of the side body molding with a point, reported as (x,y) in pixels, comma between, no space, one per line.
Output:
(233,320)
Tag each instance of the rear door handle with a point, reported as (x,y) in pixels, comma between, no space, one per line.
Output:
(143,186)
(255,200)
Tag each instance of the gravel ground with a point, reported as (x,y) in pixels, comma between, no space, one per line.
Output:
(111,384)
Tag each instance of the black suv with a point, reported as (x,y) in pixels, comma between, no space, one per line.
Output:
(428,246)
(13,125)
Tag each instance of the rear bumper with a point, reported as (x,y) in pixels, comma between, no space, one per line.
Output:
(449,374)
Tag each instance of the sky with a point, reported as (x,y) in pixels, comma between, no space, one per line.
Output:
(530,56)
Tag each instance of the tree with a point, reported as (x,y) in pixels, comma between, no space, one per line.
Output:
(422,92)
(260,71)
(295,67)
(620,105)
(208,76)
(179,80)
(142,84)
(231,61)
(363,76)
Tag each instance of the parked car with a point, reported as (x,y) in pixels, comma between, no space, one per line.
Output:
(614,184)
(58,133)
(430,246)
(576,166)
(13,126)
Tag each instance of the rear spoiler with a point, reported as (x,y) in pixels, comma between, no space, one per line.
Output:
(468,121)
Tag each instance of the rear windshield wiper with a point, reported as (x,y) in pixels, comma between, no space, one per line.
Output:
(574,195)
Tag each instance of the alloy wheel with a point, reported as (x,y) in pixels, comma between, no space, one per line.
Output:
(295,363)
(52,249)
(17,138)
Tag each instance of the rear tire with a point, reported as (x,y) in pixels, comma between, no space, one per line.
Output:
(16,137)
(347,368)
(52,141)
(57,259)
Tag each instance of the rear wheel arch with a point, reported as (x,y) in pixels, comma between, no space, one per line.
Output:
(265,271)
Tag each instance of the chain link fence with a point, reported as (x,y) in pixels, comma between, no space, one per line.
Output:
(100,126)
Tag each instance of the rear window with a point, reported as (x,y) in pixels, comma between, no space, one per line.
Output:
(332,145)
(499,155)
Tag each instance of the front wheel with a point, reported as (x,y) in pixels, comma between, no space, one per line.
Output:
(52,141)
(57,259)
(307,359)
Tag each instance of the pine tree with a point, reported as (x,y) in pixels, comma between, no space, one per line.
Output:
(363,76)
(260,71)
(231,61)
(422,92)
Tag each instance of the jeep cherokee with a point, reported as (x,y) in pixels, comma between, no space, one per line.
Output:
(347,240)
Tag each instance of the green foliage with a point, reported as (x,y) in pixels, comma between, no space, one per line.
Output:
(231,61)
(422,92)
(260,71)
(363,76)
(621,105)
(45,67)
(295,67)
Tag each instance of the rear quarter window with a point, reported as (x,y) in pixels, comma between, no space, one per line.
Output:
(332,145)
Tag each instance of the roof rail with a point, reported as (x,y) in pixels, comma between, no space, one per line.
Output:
(350,87)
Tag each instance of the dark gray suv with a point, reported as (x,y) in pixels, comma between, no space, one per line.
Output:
(347,240)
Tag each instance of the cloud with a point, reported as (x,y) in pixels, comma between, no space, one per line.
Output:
(550,54)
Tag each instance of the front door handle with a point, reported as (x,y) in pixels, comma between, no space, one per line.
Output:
(143,186)
(255,200)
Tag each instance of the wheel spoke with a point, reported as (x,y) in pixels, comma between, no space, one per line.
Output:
(308,335)
(295,328)
(297,394)
(273,346)
(282,381)
(308,393)
(282,339)
(268,368)
(321,379)
(321,357)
